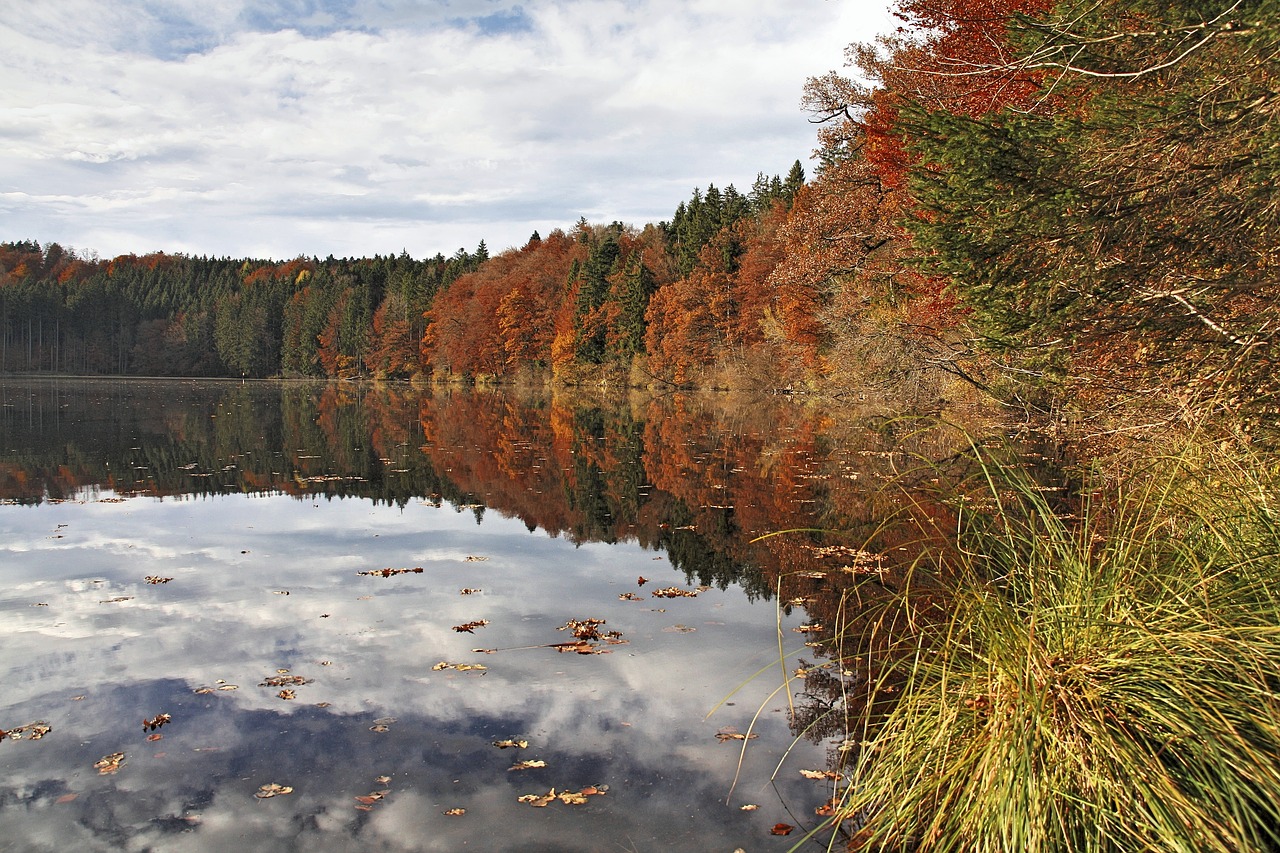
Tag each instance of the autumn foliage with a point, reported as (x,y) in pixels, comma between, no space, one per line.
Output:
(1001,196)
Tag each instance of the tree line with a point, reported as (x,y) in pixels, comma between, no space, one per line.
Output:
(1018,193)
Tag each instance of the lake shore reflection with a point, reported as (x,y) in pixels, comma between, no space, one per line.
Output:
(263,504)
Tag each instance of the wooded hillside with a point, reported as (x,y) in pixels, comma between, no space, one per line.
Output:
(1017,193)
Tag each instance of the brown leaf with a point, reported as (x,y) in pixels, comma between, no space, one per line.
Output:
(511,742)
(455,812)
(781,829)
(271,789)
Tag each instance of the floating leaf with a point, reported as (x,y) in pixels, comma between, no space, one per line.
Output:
(156,722)
(642,580)
(476,559)
(287,694)
(570,798)
(679,629)
(117,599)
(31,731)
(828,808)
(468,591)
(819,774)
(379,728)
(156,579)
(271,789)
(229,687)
(460,667)
(280,592)
(781,829)
(470,627)
(629,596)
(383,780)
(725,735)
(511,742)
(675,592)
(527,765)
(748,807)
(812,627)
(284,681)
(109,763)
(155,737)
(386,573)
(454,812)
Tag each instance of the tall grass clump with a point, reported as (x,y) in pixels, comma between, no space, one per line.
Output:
(1101,681)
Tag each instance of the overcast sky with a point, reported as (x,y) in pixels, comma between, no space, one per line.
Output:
(278,128)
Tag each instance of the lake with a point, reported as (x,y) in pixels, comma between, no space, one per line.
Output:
(334,617)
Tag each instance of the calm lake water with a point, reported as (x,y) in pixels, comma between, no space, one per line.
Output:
(356,592)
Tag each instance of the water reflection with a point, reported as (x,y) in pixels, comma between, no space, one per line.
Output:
(263,503)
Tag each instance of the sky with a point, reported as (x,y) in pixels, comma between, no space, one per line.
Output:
(279,128)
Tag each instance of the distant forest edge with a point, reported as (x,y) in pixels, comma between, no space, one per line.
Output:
(1042,200)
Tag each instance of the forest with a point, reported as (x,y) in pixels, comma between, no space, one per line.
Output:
(1042,201)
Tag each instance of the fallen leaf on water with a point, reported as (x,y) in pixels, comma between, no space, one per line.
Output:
(807,629)
(66,798)
(511,742)
(819,774)
(229,687)
(582,647)
(748,807)
(31,731)
(781,829)
(455,812)
(323,704)
(77,698)
(679,629)
(527,765)
(156,722)
(118,598)
(674,592)
(476,559)
(460,667)
(386,573)
(379,728)
(470,627)
(154,737)
(569,798)
(280,592)
(468,591)
(383,780)
(271,789)
(828,808)
(287,694)
(642,580)
(725,735)
(109,763)
(284,681)
(156,579)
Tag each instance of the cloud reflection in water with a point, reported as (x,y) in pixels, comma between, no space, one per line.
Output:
(631,719)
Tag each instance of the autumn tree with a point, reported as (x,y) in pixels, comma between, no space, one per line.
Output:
(1131,220)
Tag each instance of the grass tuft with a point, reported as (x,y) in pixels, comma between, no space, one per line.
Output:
(1103,681)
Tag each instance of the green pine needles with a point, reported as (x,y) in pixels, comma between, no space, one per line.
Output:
(1103,683)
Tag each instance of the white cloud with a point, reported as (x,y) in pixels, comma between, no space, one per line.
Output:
(317,127)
